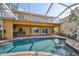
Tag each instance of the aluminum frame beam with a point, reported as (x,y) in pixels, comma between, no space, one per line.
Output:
(10,11)
(64,5)
(49,9)
(66,9)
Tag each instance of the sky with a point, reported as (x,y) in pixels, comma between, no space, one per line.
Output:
(41,8)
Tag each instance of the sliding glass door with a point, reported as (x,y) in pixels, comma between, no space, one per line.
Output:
(45,31)
(0,32)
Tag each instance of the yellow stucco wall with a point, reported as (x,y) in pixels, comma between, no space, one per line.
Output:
(56,29)
(33,16)
(8,27)
(27,27)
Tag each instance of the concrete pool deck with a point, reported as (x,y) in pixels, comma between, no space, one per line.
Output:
(74,44)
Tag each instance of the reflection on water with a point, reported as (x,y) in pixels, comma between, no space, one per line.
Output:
(53,45)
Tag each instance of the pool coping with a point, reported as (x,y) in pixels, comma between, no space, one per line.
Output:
(21,38)
(29,53)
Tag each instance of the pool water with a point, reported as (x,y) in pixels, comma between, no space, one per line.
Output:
(52,45)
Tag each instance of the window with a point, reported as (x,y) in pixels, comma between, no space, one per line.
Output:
(25,17)
(21,17)
(49,20)
(35,30)
(46,19)
(20,29)
(38,19)
(0,33)
(52,30)
(4,14)
(12,5)
(45,31)
(33,18)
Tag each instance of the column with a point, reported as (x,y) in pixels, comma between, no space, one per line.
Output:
(8,27)
(59,29)
(30,30)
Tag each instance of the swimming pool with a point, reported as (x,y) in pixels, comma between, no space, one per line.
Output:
(51,45)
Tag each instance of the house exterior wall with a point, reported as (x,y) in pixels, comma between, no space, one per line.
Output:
(27,27)
(8,29)
(68,28)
